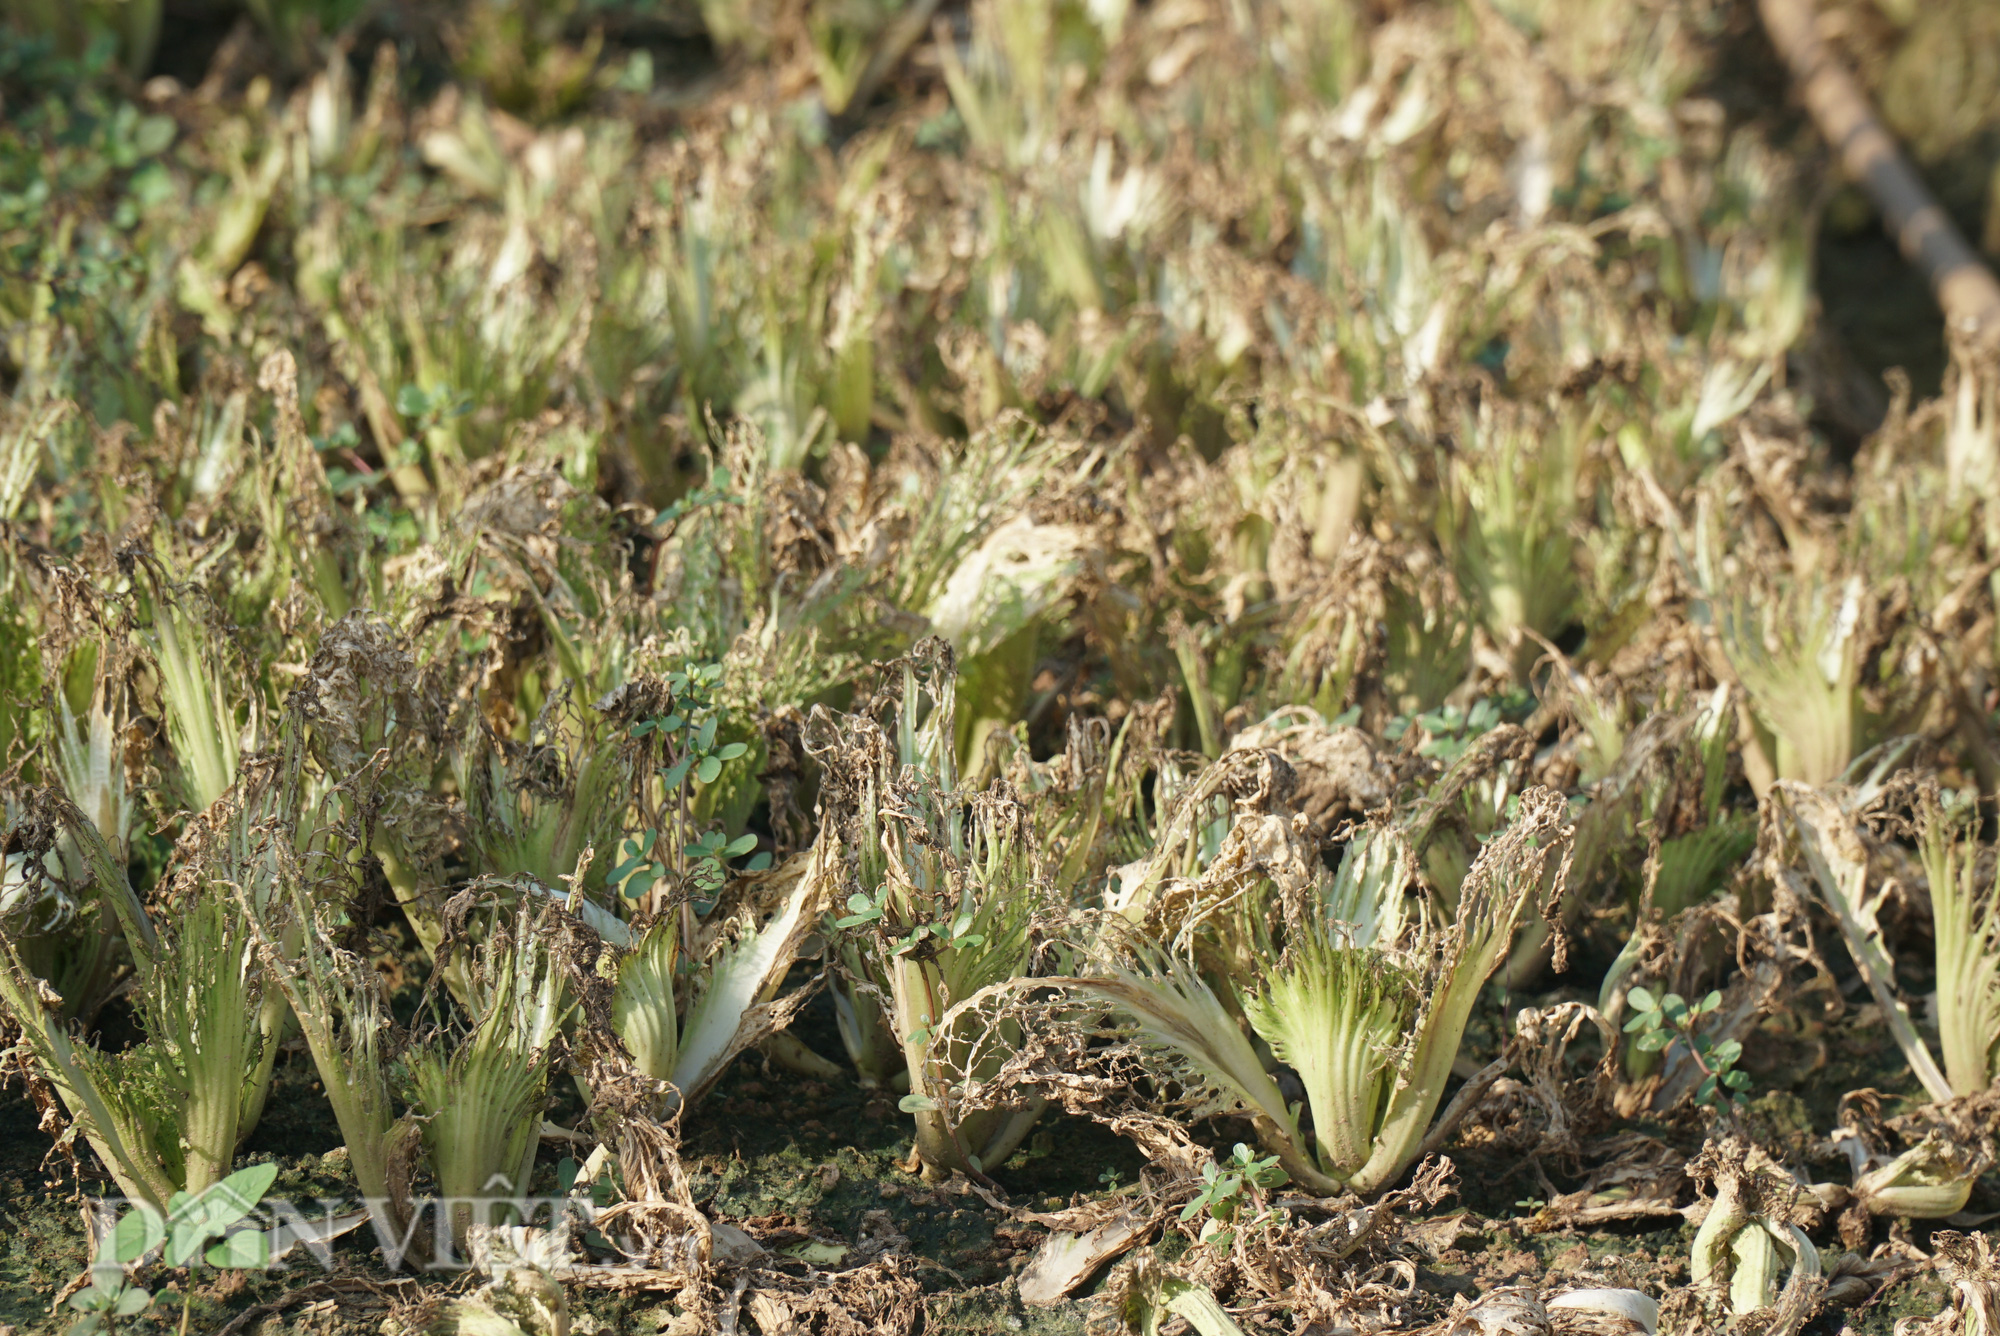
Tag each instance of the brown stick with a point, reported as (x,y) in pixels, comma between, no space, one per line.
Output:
(1965,287)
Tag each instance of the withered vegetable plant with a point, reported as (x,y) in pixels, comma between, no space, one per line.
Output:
(659,606)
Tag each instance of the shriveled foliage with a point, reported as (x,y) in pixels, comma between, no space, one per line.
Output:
(1311,584)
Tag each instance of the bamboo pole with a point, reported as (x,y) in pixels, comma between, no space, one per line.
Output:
(1965,287)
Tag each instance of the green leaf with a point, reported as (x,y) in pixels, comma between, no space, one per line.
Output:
(739,846)
(915,1103)
(138,1232)
(242,1250)
(1706,1092)
(1708,1004)
(1654,1040)
(817,1252)
(1642,999)
(215,1210)
(133,1300)
(241,1191)
(153,134)
(672,778)
(704,737)
(707,771)
(759,863)
(730,751)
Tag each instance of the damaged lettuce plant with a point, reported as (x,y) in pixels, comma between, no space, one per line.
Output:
(1365,1007)
(167,1114)
(684,1010)
(1965,919)
(944,891)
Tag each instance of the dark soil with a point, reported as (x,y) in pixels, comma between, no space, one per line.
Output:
(800,1164)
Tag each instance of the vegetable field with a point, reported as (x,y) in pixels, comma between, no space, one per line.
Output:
(882,667)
